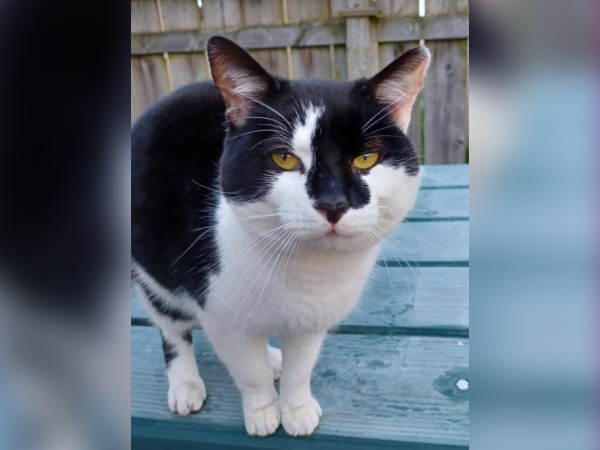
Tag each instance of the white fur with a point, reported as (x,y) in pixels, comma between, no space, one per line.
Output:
(304,132)
(245,83)
(296,281)
(180,301)
(282,272)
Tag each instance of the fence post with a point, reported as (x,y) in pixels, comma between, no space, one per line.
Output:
(361,39)
(446,91)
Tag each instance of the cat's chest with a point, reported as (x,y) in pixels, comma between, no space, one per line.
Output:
(274,289)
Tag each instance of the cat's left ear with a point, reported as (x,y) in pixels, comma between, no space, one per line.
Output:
(241,81)
(398,85)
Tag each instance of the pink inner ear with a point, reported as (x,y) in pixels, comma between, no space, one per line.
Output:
(238,77)
(238,88)
(400,90)
(400,112)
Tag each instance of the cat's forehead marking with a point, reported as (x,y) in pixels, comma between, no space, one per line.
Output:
(305,127)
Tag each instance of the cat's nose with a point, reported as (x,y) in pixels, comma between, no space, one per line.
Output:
(333,208)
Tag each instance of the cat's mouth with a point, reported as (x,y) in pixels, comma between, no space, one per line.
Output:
(332,231)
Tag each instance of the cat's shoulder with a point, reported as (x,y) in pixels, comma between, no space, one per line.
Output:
(181,108)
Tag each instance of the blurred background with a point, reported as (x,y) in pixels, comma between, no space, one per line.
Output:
(305,39)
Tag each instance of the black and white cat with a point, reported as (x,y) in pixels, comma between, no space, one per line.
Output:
(258,209)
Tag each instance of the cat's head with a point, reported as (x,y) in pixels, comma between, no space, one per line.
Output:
(325,161)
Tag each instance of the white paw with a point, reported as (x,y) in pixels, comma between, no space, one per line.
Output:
(187,397)
(275,361)
(302,420)
(263,421)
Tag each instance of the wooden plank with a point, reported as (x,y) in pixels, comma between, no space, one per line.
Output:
(308,10)
(144,16)
(432,301)
(445,94)
(427,244)
(361,47)
(443,7)
(340,63)
(222,14)
(415,28)
(389,52)
(151,80)
(250,38)
(188,68)
(441,204)
(298,35)
(340,8)
(399,8)
(445,103)
(444,176)
(181,15)
(274,61)
(312,63)
(375,391)
(445,27)
(134,114)
(337,6)
(262,12)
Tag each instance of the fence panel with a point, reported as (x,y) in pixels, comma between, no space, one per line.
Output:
(188,68)
(181,15)
(262,12)
(312,63)
(274,61)
(390,51)
(222,14)
(150,79)
(308,39)
(144,16)
(300,11)
(446,92)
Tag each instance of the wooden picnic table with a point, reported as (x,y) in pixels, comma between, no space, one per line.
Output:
(394,375)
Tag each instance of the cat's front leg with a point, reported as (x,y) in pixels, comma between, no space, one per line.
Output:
(186,389)
(300,412)
(252,364)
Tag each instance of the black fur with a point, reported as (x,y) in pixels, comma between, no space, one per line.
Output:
(182,156)
(176,148)
(187,337)
(169,351)
(162,308)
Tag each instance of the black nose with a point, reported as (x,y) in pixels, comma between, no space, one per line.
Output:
(333,208)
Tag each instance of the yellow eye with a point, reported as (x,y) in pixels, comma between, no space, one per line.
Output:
(366,161)
(285,161)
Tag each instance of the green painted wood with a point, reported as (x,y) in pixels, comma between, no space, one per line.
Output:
(445,176)
(375,391)
(398,301)
(425,244)
(324,442)
(441,204)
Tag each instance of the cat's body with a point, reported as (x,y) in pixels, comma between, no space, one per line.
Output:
(195,283)
(263,215)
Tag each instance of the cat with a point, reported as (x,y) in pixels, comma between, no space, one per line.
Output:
(258,208)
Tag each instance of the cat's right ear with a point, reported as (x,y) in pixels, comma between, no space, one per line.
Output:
(241,81)
(398,85)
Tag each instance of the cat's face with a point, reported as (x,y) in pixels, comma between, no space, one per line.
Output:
(324,162)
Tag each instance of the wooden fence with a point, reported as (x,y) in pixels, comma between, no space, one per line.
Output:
(332,39)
